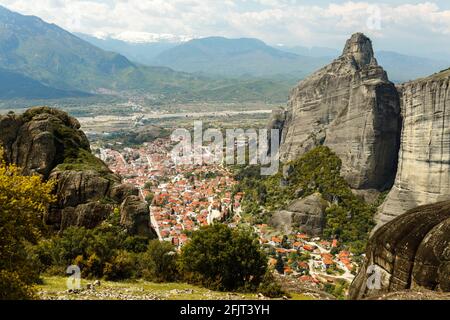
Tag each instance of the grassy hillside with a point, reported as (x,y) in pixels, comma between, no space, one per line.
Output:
(143,53)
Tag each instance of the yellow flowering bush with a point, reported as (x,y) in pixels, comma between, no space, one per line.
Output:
(23,202)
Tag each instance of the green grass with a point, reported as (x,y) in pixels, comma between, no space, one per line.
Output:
(83,160)
(55,287)
(299,297)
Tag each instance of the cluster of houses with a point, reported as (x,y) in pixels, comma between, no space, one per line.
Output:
(194,197)
(138,166)
(182,197)
(309,259)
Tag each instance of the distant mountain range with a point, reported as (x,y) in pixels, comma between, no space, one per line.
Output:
(39,60)
(318,52)
(217,56)
(236,58)
(402,68)
(253,58)
(143,53)
(53,56)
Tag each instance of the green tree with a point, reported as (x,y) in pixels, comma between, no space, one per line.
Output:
(280,265)
(159,262)
(106,250)
(149,198)
(222,258)
(122,266)
(148,185)
(270,287)
(285,242)
(23,202)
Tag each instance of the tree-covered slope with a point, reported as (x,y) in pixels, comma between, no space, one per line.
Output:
(348,217)
(14,85)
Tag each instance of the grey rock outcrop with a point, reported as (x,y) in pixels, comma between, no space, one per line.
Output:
(351,107)
(410,252)
(48,142)
(423,174)
(305,215)
(277,119)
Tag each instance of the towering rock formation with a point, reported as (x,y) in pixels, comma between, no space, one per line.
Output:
(411,252)
(351,107)
(423,174)
(49,143)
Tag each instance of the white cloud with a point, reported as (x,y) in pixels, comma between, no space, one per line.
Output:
(289,22)
(146,37)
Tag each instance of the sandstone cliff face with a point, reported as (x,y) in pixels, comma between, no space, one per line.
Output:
(409,253)
(36,140)
(81,197)
(49,143)
(423,174)
(351,107)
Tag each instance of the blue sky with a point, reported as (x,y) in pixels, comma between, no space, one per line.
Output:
(420,27)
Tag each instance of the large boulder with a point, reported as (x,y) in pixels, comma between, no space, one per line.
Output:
(305,215)
(351,107)
(135,217)
(412,252)
(120,192)
(40,139)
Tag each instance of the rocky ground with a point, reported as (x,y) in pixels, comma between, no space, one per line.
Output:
(54,288)
(412,295)
(309,290)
